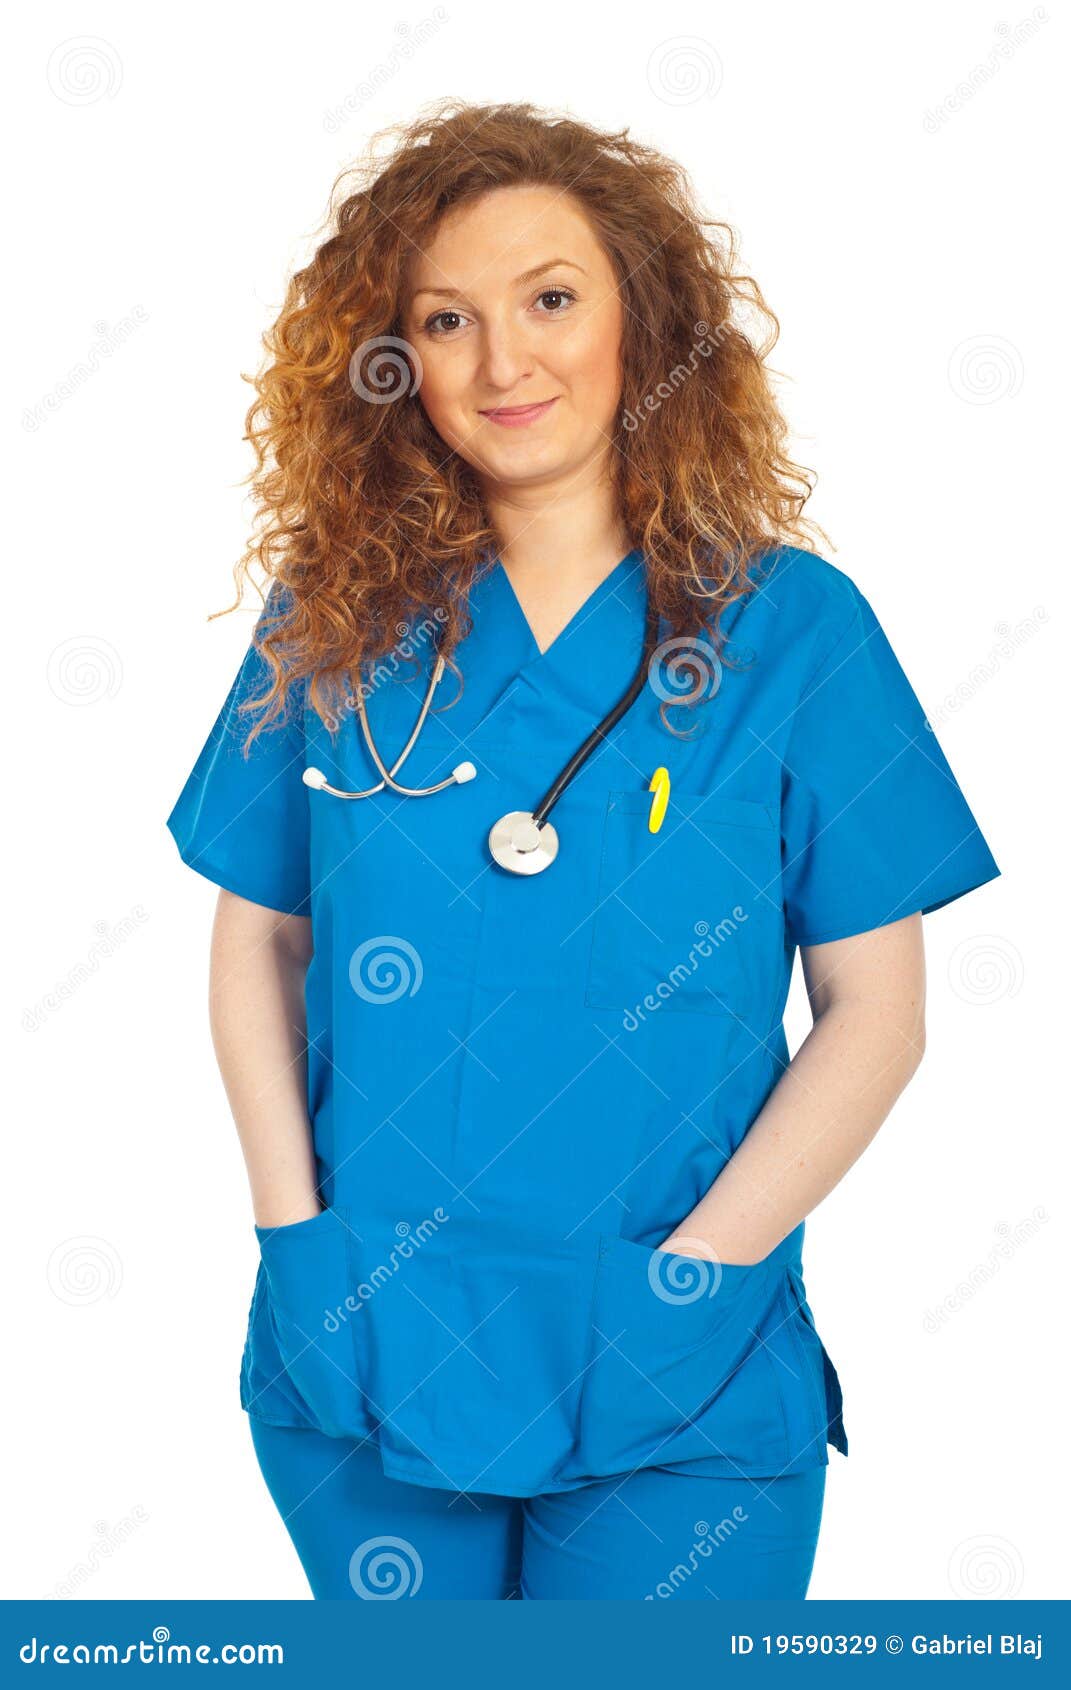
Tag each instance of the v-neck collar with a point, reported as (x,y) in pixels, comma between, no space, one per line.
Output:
(561,692)
(630,563)
(586,666)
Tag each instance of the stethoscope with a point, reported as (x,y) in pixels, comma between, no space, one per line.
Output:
(523,841)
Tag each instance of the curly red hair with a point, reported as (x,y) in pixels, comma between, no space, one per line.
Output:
(365,519)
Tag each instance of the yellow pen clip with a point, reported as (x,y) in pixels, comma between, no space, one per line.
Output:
(660,787)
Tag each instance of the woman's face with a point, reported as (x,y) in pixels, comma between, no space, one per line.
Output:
(514,303)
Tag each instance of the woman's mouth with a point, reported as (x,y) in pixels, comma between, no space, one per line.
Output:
(517,416)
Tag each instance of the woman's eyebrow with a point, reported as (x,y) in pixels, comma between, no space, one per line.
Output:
(518,281)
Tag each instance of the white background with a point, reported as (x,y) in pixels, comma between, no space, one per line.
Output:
(165,180)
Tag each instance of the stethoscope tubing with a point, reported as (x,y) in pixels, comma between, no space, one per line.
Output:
(388,774)
(606,726)
(466,771)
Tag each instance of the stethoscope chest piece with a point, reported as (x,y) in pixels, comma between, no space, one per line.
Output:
(520,845)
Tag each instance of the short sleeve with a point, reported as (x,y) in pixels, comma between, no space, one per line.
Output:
(875,826)
(243,820)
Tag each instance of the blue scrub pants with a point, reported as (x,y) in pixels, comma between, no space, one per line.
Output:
(653,1534)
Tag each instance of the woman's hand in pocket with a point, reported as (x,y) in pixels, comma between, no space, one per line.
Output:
(703,1249)
(283,1211)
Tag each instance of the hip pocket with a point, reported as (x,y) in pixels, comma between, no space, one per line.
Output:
(678,1369)
(689,918)
(307,1277)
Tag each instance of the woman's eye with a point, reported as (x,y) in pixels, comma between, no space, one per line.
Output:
(445,323)
(556,293)
(438,318)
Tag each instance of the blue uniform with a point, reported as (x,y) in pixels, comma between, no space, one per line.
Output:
(652,1535)
(519,1086)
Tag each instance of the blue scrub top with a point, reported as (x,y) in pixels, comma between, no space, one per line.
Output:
(518,1086)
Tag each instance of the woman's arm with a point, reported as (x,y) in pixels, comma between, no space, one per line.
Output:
(257,1014)
(867,995)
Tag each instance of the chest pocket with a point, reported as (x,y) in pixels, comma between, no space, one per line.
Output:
(688,919)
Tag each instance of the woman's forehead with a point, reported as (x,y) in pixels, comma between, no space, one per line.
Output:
(502,240)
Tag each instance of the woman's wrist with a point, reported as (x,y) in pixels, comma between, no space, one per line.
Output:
(279,1210)
(704,1249)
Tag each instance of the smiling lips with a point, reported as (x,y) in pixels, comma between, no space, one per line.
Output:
(517,416)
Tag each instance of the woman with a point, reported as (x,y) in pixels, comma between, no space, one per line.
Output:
(529,1161)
